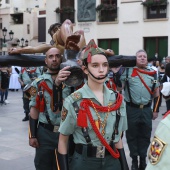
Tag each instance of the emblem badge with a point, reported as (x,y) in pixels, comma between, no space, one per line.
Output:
(64,114)
(156,150)
(33,91)
(76,96)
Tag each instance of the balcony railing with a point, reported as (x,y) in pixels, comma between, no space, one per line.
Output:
(154,12)
(108,15)
(66,12)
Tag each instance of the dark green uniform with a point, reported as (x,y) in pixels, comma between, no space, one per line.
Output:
(84,157)
(47,135)
(139,113)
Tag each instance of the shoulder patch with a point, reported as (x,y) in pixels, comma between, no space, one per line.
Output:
(76,96)
(33,91)
(64,113)
(156,150)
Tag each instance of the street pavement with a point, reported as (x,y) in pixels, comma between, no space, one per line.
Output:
(15,152)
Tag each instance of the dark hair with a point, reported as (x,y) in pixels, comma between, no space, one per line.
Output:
(52,27)
(167,69)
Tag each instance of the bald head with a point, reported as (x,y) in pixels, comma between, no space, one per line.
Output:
(53,50)
(53,59)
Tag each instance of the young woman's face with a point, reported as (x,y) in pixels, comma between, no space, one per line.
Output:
(98,67)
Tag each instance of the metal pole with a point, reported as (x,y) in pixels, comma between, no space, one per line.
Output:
(4,44)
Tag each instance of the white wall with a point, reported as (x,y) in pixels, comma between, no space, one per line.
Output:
(51,16)
(130,28)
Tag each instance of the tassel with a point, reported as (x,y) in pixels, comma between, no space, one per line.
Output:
(82,118)
(42,105)
(134,73)
(37,102)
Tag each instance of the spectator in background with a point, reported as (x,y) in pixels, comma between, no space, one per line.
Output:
(161,72)
(166,78)
(156,60)
(4,81)
(14,83)
(167,59)
(152,64)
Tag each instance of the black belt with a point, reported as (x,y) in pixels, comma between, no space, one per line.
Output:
(141,106)
(92,151)
(49,127)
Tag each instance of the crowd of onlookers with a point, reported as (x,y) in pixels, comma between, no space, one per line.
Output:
(163,71)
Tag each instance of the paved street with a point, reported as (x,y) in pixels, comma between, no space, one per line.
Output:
(15,152)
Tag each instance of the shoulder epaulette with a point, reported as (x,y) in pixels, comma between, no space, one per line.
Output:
(76,96)
(38,79)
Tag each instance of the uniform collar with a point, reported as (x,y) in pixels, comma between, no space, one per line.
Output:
(89,94)
(48,77)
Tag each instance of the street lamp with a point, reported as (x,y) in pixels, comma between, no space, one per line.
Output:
(22,42)
(4,30)
(26,42)
(11,34)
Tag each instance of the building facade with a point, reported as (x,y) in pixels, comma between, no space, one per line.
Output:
(122,25)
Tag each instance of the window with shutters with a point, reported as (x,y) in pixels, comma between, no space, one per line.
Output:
(112,44)
(158,45)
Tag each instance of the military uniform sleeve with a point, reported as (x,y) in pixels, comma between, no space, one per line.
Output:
(123,126)
(33,94)
(68,118)
(123,120)
(66,91)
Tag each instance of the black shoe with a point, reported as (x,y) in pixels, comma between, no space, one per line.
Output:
(134,166)
(134,163)
(26,118)
(142,165)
